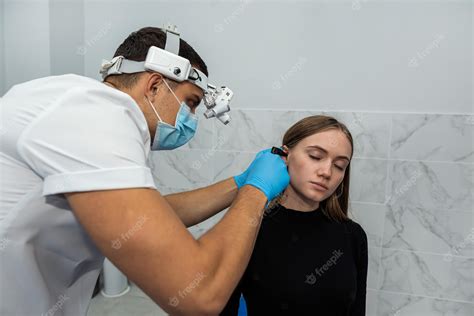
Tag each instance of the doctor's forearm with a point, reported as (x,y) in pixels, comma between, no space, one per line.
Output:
(195,206)
(229,244)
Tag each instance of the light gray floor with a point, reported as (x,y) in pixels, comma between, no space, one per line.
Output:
(134,302)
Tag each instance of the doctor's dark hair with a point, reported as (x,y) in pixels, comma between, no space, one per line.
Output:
(335,206)
(135,47)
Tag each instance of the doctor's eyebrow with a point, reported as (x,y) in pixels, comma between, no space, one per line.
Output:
(325,151)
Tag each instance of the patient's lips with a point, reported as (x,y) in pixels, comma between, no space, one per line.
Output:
(319,186)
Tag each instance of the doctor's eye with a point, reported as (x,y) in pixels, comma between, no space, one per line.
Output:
(191,104)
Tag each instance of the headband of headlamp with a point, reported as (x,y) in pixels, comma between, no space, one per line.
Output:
(168,63)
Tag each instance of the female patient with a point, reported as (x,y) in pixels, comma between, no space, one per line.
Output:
(309,257)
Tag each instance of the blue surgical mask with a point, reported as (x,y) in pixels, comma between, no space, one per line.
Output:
(170,137)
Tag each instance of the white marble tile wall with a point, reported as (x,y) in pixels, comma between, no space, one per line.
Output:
(412,189)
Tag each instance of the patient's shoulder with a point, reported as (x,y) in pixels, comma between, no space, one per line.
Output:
(357,232)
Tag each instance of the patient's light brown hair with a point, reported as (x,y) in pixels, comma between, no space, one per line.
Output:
(336,205)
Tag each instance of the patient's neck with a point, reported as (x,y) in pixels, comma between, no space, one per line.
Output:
(294,200)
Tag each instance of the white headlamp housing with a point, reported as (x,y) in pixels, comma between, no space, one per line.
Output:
(168,63)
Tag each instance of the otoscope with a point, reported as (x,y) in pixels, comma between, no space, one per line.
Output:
(279,151)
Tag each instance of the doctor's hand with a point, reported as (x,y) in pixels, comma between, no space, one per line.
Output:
(267,172)
(240,179)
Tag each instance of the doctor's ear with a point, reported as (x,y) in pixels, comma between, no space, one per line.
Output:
(154,82)
(155,90)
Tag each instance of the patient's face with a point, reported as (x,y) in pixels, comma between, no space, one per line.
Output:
(318,158)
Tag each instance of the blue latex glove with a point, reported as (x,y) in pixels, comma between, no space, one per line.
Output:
(240,179)
(268,173)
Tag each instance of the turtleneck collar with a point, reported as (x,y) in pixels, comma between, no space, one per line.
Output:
(296,213)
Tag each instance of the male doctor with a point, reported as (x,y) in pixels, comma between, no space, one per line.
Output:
(74,179)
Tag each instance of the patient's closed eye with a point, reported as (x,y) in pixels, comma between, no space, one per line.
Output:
(319,158)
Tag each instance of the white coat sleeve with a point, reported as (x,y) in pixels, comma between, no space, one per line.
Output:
(89,140)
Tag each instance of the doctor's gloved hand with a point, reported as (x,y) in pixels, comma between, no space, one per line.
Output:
(240,179)
(268,173)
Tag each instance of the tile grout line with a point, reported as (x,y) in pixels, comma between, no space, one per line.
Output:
(424,208)
(423,296)
(349,111)
(355,157)
(426,252)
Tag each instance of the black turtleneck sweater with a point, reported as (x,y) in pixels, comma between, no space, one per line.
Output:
(304,263)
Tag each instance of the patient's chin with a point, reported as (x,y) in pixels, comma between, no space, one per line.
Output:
(306,192)
(313,195)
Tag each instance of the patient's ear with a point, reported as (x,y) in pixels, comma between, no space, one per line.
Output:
(287,151)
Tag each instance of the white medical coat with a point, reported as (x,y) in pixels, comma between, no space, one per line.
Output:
(60,134)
